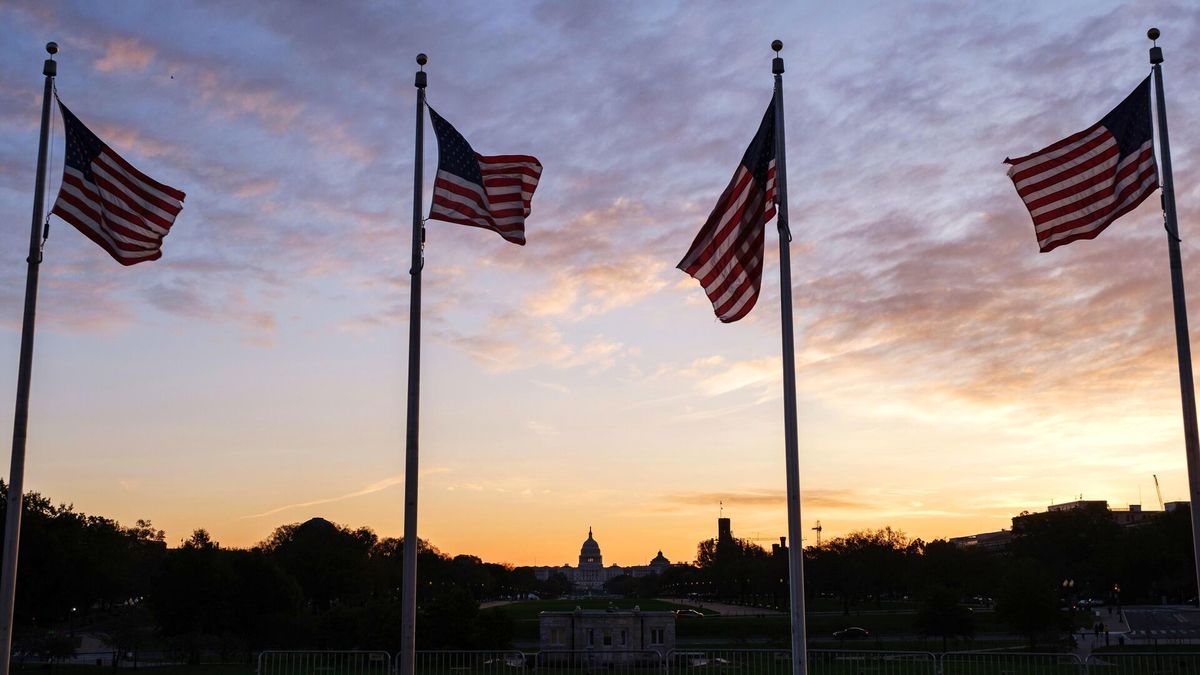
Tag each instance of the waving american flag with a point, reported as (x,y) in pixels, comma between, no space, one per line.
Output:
(727,255)
(492,192)
(1078,186)
(120,208)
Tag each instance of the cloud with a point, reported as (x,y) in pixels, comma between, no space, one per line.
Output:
(186,297)
(125,54)
(510,343)
(370,488)
(825,499)
(765,372)
(541,429)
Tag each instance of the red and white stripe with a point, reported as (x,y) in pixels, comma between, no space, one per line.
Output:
(727,255)
(1078,186)
(500,205)
(124,211)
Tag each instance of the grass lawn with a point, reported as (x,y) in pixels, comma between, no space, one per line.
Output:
(530,609)
(835,605)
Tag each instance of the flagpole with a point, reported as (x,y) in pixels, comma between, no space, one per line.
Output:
(1187,390)
(408,591)
(16,476)
(796,550)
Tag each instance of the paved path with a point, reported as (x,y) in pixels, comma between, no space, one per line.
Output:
(1113,630)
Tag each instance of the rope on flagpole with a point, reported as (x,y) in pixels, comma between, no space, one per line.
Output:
(49,191)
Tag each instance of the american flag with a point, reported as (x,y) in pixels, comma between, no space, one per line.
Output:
(727,255)
(120,208)
(1078,186)
(489,192)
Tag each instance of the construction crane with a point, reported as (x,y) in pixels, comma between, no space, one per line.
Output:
(817,528)
(1161,506)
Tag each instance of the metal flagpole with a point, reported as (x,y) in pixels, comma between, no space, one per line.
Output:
(1187,389)
(16,476)
(408,591)
(796,550)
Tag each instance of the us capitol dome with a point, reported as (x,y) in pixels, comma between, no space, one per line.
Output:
(591,573)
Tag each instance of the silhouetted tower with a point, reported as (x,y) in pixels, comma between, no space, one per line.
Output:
(724,533)
(779,549)
(817,528)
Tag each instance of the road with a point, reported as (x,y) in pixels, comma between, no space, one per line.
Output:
(1148,623)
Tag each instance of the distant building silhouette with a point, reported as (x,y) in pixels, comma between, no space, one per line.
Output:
(724,532)
(1133,516)
(591,574)
(987,541)
(780,549)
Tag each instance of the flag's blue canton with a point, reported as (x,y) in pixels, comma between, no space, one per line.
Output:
(455,154)
(1129,122)
(757,159)
(82,144)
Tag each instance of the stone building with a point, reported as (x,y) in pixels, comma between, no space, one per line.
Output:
(608,637)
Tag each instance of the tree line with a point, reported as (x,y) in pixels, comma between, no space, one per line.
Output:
(1055,564)
(320,585)
(315,585)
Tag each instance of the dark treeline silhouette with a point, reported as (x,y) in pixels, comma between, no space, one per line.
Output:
(309,585)
(1056,563)
(320,585)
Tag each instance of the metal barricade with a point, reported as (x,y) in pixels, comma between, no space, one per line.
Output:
(324,663)
(1011,663)
(742,661)
(614,661)
(1147,663)
(820,662)
(853,662)
(447,662)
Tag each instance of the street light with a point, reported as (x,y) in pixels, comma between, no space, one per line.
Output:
(1068,586)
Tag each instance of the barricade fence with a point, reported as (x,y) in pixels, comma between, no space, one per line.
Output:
(727,662)
(616,662)
(1129,663)
(995,663)
(324,663)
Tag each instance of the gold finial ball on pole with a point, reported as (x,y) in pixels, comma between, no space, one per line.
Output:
(1153,34)
(422,60)
(776,45)
(52,48)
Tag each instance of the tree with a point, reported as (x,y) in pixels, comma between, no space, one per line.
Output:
(1028,601)
(624,585)
(941,615)
(864,564)
(734,568)
(555,585)
(1079,544)
(329,561)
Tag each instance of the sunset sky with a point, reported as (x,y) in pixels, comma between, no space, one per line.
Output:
(950,376)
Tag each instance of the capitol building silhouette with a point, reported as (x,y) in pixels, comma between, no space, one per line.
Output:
(591,574)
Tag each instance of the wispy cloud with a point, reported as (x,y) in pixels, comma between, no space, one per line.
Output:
(371,488)
(818,498)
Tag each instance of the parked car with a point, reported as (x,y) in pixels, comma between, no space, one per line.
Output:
(688,614)
(852,633)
